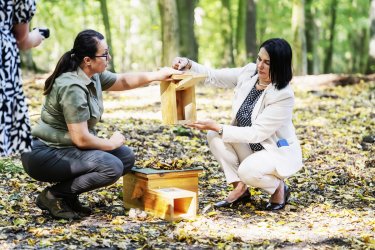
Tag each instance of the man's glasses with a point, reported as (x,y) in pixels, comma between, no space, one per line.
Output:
(106,55)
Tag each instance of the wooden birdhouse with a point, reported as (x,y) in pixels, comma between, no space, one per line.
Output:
(168,194)
(178,98)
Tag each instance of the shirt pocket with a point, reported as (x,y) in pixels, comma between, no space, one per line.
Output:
(96,111)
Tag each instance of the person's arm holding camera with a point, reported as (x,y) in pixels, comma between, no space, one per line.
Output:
(26,39)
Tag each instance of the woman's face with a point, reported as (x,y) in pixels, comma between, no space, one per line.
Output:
(263,66)
(102,57)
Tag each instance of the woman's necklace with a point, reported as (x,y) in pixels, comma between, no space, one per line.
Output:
(261,84)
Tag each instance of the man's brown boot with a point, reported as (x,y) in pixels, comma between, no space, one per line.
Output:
(56,206)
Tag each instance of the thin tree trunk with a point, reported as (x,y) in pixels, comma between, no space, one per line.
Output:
(363,57)
(310,37)
(239,41)
(104,10)
(84,13)
(329,52)
(371,57)
(359,51)
(124,28)
(299,39)
(251,38)
(227,31)
(169,30)
(27,61)
(246,32)
(188,42)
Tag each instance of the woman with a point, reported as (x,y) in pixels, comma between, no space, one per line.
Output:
(66,150)
(15,16)
(259,148)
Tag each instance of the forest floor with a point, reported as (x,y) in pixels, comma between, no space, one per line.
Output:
(331,206)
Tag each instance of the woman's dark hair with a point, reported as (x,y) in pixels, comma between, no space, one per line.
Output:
(85,44)
(280,54)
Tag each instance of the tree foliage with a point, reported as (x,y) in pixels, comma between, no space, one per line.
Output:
(137,41)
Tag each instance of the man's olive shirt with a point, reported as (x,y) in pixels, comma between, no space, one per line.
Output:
(74,98)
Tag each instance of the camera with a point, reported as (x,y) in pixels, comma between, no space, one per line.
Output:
(43,31)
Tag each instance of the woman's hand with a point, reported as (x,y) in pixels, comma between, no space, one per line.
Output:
(83,139)
(37,37)
(205,125)
(25,39)
(117,139)
(165,73)
(181,63)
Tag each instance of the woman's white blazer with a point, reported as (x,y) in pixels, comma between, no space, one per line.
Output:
(271,117)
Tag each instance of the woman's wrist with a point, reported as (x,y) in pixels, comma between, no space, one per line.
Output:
(220,132)
(189,63)
(153,76)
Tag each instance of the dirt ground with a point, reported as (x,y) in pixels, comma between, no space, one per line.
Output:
(331,206)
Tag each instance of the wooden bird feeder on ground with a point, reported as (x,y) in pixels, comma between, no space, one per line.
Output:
(168,194)
(178,104)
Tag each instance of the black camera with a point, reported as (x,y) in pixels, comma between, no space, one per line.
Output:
(43,31)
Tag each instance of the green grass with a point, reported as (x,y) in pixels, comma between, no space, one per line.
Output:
(9,165)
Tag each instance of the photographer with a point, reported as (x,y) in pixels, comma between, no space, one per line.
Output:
(15,134)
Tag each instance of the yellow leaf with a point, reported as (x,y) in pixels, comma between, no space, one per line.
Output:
(212,213)
(281,222)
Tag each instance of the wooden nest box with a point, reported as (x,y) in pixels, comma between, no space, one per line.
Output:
(178,98)
(168,194)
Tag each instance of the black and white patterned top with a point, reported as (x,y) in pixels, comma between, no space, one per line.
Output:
(243,116)
(15,136)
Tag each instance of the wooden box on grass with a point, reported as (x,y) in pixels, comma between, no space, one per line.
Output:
(178,104)
(168,194)
(171,203)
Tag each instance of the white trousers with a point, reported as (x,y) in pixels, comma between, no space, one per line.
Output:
(240,163)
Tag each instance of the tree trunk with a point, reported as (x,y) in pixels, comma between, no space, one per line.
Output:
(27,61)
(169,30)
(188,41)
(299,39)
(310,38)
(239,42)
(246,32)
(371,57)
(104,10)
(84,13)
(227,31)
(316,82)
(124,46)
(251,38)
(329,51)
(359,51)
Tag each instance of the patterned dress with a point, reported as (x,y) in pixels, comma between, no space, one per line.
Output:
(14,121)
(243,116)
